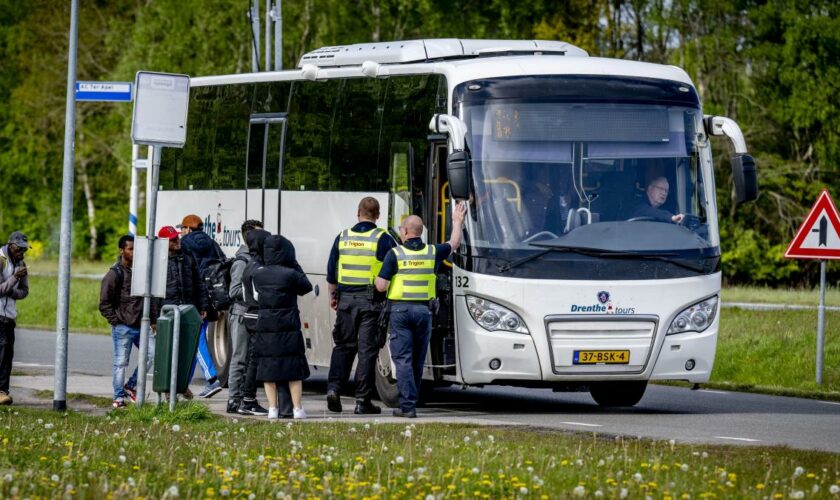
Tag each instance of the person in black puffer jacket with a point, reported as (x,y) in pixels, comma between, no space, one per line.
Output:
(278,346)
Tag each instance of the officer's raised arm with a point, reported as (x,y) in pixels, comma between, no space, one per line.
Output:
(457,225)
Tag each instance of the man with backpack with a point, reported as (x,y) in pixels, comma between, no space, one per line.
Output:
(123,313)
(204,251)
(242,383)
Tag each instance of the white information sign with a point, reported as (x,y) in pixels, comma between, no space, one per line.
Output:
(138,270)
(160,109)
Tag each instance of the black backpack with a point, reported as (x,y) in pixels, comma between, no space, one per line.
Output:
(216,276)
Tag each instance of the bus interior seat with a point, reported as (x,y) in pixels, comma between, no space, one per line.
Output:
(616,198)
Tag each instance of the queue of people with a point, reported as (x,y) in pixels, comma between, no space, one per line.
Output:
(367,267)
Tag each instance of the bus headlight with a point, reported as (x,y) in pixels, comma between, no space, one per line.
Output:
(493,317)
(695,318)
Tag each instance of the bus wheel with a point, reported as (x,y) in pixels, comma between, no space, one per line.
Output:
(218,341)
(623,393)
(386,384)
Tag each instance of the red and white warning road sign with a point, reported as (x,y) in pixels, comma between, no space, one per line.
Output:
(819,236)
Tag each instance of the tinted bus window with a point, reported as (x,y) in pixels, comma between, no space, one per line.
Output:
(354,155)
(217,134)
(311,110)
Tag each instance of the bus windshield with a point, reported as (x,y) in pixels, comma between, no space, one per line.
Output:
(603,176)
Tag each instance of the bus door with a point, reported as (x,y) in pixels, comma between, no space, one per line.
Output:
(401,189)
(439,215)
(266,138)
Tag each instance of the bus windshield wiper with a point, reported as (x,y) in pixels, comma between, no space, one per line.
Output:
(599,252)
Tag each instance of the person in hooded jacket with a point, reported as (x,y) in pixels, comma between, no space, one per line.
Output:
(278,346)
(255,239)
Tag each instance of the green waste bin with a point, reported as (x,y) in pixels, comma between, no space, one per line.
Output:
(188,345)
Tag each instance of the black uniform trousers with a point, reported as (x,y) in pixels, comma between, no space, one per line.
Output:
(7,351)
(355,332)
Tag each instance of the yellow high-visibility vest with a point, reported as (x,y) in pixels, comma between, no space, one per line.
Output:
(357,263)
(415,278)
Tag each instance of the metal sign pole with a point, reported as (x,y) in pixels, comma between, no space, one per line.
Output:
(65,245)
(151,211)
(821,324)
(134,193)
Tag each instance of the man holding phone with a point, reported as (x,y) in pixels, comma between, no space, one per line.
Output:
(14,286)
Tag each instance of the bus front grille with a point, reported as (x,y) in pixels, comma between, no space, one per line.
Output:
(571,334)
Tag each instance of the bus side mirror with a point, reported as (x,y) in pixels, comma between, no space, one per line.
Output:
(746,180)
(458,171)
(743,165)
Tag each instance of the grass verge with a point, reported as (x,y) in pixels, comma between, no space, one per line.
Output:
(49,454)
(97,401)
(39,308)
(797,296)
(774,352)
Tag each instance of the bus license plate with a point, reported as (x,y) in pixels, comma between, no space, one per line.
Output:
(599,357)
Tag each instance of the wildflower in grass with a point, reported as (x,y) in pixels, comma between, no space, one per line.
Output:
(834,489)
(176,428)
(599,494)
(172,492)
(48,426)
(55,478)
(637,477)
(684,467)
(122,459)
(798,471)
(797,494)
(579,491)
(400,459)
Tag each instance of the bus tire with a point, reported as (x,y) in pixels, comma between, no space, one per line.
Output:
(386,383)
(620,393)
(218,341)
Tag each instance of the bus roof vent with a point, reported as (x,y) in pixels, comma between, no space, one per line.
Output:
(431,50)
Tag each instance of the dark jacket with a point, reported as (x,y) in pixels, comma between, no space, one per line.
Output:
(278,345)
(256,241)
(202,248)
(183,284)
(118,306)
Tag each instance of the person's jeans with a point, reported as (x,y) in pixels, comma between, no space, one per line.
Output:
(203,357)
(410,329)
(124,337)
(7,352)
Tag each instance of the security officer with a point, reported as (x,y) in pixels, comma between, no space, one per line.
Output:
(355,260)
(408,273)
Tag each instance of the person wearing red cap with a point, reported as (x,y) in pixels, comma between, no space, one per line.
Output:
(183,284)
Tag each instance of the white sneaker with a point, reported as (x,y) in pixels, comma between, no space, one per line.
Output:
(273,413)
(299,413)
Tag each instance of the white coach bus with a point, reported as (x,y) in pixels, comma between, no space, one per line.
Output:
(568,278)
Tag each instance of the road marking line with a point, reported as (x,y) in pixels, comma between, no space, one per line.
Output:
(748,440)
(581,423)
(830,403)
(713,392)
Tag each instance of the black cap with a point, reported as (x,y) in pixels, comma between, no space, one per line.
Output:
(19,239)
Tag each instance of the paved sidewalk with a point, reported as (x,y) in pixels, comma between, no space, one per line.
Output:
(23,388)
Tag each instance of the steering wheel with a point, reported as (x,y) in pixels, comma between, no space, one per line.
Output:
(646,217)
(690,221)
(533,237)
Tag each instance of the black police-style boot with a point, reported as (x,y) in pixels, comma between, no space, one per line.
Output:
(366,408)
(333,401)
(232,405)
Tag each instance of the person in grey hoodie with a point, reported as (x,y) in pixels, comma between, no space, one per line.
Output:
(242,384)
(14,286)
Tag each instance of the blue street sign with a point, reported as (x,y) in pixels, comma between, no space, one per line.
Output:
(103,91)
